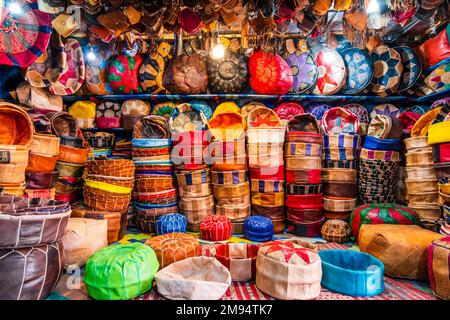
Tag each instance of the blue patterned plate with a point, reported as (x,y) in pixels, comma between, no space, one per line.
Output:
(359,70)
(387,70)
(412,67)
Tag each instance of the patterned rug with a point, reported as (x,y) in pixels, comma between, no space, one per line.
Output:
(71,287)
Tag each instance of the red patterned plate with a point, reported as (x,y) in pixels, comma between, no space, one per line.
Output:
(287,110)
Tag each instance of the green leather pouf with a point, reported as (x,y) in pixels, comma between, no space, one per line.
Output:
(121,272)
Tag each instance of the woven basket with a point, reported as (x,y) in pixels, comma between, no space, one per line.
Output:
(12,173)
(416,143)
(69,169)
(266,135)
(12,190)
(117,181)
(18,128)
(339,154)
(422,198)
(73,155)
(41,193)
(105,201)
(266,160)
(116,167)
(305,137)
(41,163)
(415,186)
(419,157)
(45,144)
(13,154)
(195,191)
(419,173)
(303,163)
(150,183)
(352,141)
(264,148)
(344,175)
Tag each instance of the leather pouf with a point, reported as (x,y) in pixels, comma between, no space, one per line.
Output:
(238,258)
(336,230)
(228,75)
(172,247)
(381,213)
(438,267)
(269,73)
(196,278)
(215,228)
(30,273)
(168,223)
(120,272)
(186,74)
(285,270)
(402,249)
(258,228)
(123,74)
(83,237)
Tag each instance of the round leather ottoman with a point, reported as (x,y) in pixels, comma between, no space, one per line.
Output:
(168,223)
(215,228)
(258,228)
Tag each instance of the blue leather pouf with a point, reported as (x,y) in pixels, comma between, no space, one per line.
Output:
(258,228)
(352,273)
(173,222)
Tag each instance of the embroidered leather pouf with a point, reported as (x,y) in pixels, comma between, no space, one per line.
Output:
(174,246)
(285,270)
(412,69)
(238,258)
(304,71)
(336,230)
(120,272)
(258,228)
(123,73)
(381,213)
(168,223)
(215,228)
(438,256)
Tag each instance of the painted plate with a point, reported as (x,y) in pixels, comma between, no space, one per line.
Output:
(359,70)
(288,110)
(203,107)
(331,72)
(439,79)
(304,71)
(317,109)
(387,70)
(164,109)
(412,67)
(186,118)
(359,111)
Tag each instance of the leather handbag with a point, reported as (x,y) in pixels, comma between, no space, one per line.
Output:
(186,75)
(41,180)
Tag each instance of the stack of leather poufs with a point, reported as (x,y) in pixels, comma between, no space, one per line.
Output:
(73,155)
(341,147)
(107,193)
(41,174)
(303,151)
(187,123)
(229,179)
(15,139)
(31,253)
(265,139)
(378,165)
(155,194)
(439,138)
(421,182)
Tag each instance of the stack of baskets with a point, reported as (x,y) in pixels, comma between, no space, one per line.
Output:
(41,172)
(16,136)
(229,176)
(421,182)
(303,152)
(265,141)
(378,164)
(439,139)
(73,155)
(107,193)
(341,146)
(154,193)
(187,124)
(101,144)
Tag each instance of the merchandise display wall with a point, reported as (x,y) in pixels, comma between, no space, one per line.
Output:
(193,150)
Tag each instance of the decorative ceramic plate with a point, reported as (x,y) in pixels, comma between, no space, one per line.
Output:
(387,70)
(71,80)
(331,72)
(287,110)
(185,117)
(317,109)
(359,70)
(439,79)
(304,71)
(412,67)
(263,117)
(386,109)
(24,37)
(164,109)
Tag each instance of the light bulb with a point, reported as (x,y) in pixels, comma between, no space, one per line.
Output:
(218,51)
(15,8)
(91,55)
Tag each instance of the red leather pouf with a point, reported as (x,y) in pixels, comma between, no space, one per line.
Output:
(215,228)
